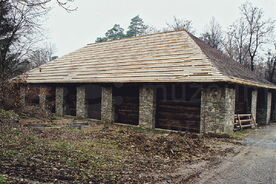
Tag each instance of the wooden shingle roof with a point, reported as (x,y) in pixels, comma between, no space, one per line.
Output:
(163,57)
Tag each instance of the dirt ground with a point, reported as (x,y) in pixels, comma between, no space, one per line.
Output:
(74,151)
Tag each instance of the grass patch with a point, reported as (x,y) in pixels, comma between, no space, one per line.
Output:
(12,152)
(3,180)
(241,134)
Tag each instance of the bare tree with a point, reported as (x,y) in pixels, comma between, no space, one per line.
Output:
(24,31)
(247,35)
(41,56)
(19,38)
(271,64)
(213,35)
(258,29)
(236,42)
(180,24)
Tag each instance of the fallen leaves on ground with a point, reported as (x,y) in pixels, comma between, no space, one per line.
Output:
(98,153)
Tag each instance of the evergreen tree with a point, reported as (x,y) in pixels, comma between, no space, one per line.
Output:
(114,33)
(7,38)
(136,27)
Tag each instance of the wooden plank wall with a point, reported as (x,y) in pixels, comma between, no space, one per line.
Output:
(126,98)
(51,98)
(178,107)
(70,99)
(93,100)
(243,100)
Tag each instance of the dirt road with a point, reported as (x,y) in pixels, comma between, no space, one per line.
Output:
(256,163)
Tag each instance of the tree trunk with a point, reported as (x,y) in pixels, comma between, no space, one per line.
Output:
(252,64)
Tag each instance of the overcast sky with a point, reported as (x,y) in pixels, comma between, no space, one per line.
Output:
(70,31)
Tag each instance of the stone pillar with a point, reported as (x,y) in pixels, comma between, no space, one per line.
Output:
(269,102)
(107,105)
(22,96)
(217,109)
(254,95)
(59,101)
(81,110)
(147,107)
(264,107)
(42,97)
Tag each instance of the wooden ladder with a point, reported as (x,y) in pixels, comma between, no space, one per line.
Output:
(244,121)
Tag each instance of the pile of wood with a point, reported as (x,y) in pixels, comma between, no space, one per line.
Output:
(244,121)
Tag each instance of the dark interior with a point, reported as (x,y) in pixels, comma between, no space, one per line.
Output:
(93,100)
(51,98)
(126,99)
(243,100)
(70,98)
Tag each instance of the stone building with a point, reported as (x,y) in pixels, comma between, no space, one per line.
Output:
(168,80)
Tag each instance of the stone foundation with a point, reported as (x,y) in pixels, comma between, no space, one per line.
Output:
(147,107)
(217,109)
(107,108)
(81,110)
(60,101)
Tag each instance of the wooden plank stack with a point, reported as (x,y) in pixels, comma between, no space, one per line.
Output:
(244,121)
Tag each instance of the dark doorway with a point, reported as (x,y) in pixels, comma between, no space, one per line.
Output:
(70,98)
(243,100)
(51,98)
(126,99)
(178,107)
(93,100)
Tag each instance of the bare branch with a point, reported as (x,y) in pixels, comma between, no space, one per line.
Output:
(66,4)
(180,24)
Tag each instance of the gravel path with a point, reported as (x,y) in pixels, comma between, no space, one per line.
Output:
(255,164)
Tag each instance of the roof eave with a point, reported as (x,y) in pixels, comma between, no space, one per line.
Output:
(228,80)
(250,83)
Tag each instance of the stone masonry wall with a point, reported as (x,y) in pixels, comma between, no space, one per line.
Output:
(254,103)
(217,109)
(59,101)
(269,102)
(81,107)
(42,98)
(23,96)
(107,108)
(147,107)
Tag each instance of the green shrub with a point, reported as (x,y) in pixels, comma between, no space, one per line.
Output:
(8,114)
